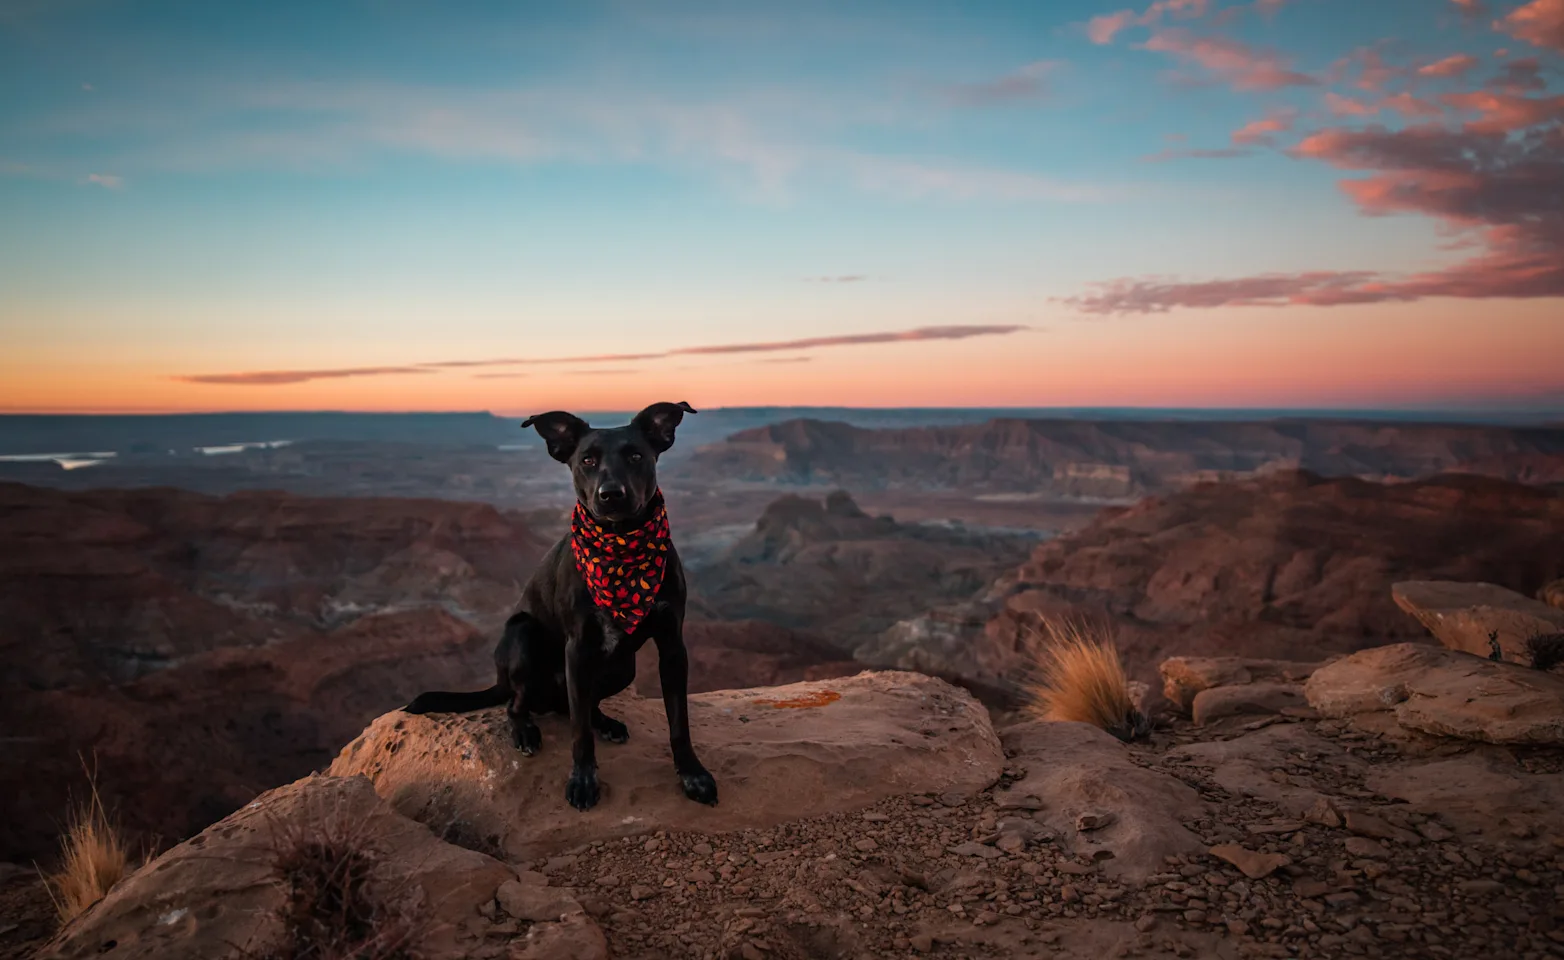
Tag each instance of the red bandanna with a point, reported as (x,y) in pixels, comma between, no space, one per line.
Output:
(623,571)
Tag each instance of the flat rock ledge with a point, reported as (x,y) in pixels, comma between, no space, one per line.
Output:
(1462,616)
(778,754)
(1444,692)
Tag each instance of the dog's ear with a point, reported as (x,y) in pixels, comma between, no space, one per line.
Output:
(560,430)
(658,422)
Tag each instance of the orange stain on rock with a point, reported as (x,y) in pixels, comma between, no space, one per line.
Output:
(819,699)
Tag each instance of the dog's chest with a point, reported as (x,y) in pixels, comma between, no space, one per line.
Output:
(614,639)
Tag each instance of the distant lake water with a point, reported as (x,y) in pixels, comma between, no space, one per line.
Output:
(70,461)
(78,460)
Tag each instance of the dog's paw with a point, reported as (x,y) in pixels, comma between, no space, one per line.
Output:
(611,730)
(527,737)
(699,786)
(581,791)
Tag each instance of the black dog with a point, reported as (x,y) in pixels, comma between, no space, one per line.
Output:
(599,594)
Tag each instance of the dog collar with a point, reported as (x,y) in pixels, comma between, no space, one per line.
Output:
(623,570)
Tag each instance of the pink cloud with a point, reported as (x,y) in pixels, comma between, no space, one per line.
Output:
(1102,29)
(1374,74)
(1260,131)
(1241,66)
(1471,8)
(1410,106)
(1340,106)
(1539,23)
(1502,113)
(1452,66)
(1502,192)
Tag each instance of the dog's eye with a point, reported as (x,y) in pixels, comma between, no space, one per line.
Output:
(589,461)
(635,458)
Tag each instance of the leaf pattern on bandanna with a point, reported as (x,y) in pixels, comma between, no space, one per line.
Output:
(623,571)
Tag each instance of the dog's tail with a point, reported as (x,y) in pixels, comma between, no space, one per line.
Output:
(442,702)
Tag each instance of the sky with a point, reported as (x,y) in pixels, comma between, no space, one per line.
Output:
(389,205)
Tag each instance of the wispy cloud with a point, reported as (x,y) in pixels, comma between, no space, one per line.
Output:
(1025,83)
(839,278)
(1339,106)
(762,145)
(1104,28)
(1239,65)
(499,376)
(272,378)
(107,180)
(1262,131)
(1219,153)
(951,332)
(784,360)
(1455,65)
(1481,182)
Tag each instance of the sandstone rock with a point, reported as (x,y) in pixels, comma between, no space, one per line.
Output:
(220,888)
(1243,766)
(1364,847)
(1183,678)
(1463,615)
(1484,792)
(1444,692)
(1552,594)
(778,754)
(1368,825)
(1253,864)
(535,903)
(574,938)
(1076,769)
(1245,700)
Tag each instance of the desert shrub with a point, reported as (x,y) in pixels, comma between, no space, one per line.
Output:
(94,856)
(1075,674)
(336,906)
(1546,650)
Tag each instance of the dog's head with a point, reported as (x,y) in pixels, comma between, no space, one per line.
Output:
(614,469)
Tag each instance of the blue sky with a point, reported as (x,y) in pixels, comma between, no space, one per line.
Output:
(200,189)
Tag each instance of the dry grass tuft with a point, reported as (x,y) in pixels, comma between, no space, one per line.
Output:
(94,856)
(335,906)
(1078,676)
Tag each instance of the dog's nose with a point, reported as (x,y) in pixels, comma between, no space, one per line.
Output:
(610,492)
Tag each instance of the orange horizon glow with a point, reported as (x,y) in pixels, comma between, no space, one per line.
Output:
(1421,354)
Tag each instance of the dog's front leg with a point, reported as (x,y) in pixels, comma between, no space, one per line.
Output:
(581,791)
(673,669)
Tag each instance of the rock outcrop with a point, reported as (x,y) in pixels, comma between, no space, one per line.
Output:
(1475,616)
(1099,804)
(1552,594)
(1289,567)
(828,568)
(1117,458)
(1185,678)
(1444,692)
(778,754)
(223,892)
